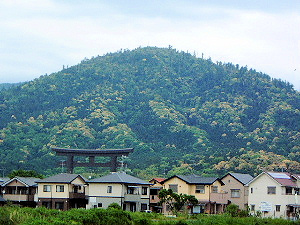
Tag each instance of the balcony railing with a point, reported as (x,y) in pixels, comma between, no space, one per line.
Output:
(18,197)
(221,198)
(132,198)
(76,195)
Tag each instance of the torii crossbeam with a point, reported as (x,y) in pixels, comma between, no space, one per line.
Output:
(92,153)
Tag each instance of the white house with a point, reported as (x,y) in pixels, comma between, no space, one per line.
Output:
(275,194)
(131,193)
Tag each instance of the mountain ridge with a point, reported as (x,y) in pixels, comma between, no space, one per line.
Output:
(181,113)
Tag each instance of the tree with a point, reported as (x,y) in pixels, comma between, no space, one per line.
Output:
(176,201)
(25,173)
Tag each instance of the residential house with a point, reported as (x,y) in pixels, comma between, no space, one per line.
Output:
(154,191)
(20,190)
(275,194)
(234,186)
(62,191)
(131,193)
(206,189)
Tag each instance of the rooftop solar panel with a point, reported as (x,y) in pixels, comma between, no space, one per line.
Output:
(280,175)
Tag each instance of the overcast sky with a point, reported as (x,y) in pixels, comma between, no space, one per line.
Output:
(40,36)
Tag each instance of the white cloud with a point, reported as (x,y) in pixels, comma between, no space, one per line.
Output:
(46,34)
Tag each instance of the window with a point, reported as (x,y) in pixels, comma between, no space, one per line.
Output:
(235,193)
(173,187)
(100,205)
(47,188)
(153,191)
(109,189)
(297,191)
(271,190)
(144,190)
(59,205)
(252,207)
(251,190)
(60,188)
(47,205)
(200,189)
(288,190)
(277,208)
(130,190)
(214,189)
(143,207)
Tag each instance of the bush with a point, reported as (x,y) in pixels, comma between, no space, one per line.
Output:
(114,205)
(232,210)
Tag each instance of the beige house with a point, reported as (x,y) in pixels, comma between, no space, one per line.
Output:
(208,191)
(234,186)
(154,191)
(275,194)
(62,191)
(129,192)
(20,190)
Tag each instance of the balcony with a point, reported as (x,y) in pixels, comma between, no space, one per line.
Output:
(18,197)
(221,198)
(132,198)
(76,195)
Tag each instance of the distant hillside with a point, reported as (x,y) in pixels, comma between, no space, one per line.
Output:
(179,112)
(8,85)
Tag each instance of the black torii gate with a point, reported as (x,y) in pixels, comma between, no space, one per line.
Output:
(92,153)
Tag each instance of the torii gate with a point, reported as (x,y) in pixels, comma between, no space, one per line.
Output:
(92,153)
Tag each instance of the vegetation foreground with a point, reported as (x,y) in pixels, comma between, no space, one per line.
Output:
(16,215)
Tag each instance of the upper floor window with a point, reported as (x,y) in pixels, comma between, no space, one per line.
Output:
(200,189)
(130,190)
(214,189)
(60,188)
(109,189)
(173,187)
(144,190)
(235,193)
(288,190)
(271,190)
(251,190)
(47,188)
(153,191)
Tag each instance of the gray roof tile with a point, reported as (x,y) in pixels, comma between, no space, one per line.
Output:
(61,178)
(29,181)
(196,179)
(119,177)
(243,178)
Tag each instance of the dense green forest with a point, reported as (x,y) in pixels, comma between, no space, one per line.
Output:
(4,86)
(182,114)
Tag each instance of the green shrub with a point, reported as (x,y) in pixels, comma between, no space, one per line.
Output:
(4,216)
(232,210)
(114,205)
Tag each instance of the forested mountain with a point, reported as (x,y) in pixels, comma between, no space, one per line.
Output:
(8,85)
(182,114)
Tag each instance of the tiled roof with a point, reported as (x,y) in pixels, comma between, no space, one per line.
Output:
(243,178)
(119,177)
(283,178)
(159,180)
(29,181)
(195,179)
(4,179)
(61,178)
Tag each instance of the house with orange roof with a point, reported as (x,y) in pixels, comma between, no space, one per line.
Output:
(154,191)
